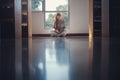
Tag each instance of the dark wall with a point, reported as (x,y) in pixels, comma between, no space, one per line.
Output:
(7,26)
(0,31)
(114,58)
(114,18)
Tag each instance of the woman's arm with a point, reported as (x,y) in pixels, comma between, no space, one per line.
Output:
(63,24)
(54,25)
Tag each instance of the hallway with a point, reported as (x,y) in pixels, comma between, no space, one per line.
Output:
(59,58)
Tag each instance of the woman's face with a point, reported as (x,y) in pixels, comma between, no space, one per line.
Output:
(58,17)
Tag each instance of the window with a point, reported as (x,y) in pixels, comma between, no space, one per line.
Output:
(50,8)
(37,5)
(56,5)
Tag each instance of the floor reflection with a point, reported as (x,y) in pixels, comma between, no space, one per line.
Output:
(7,59)
(57,60)
(54,63)
(72,58)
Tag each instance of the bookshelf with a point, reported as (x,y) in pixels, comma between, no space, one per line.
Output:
(24,16)
(15,19)
(7,19)
(97,22)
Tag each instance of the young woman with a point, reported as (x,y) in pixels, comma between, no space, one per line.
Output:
(59,24)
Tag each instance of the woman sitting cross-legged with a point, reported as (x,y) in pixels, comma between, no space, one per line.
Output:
(59,25)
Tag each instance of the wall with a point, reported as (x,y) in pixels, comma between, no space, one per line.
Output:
(114,18)
(79,18)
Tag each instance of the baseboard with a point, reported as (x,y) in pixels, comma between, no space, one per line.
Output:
(78,34)
(69,34)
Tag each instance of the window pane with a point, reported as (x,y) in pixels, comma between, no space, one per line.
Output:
(37,5)
(56,5)
(50,18)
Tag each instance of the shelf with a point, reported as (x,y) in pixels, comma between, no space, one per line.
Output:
(97,6)
(24,13)
(24,24)
(6,5)
(97,30)
(24,7)
(24,17)
(24,2)
(7,20)
(97,20)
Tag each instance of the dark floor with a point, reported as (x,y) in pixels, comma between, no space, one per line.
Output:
(58,58)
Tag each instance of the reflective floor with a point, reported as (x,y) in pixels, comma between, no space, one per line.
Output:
(59,58)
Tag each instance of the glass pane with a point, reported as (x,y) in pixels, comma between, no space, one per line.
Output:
(37,5)
(56,5)
(50,18)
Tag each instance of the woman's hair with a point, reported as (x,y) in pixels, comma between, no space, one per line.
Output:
(58,21)
(58,14)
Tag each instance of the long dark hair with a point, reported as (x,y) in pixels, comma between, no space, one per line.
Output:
(57,21)
(58,14)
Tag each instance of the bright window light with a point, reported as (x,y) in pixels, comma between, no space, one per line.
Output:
(56,5)
(50,8)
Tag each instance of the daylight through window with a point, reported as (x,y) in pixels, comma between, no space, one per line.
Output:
(50,8)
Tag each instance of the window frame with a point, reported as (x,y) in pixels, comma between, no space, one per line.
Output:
(45,11)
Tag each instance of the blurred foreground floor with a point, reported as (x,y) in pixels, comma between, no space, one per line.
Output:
(58,58)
